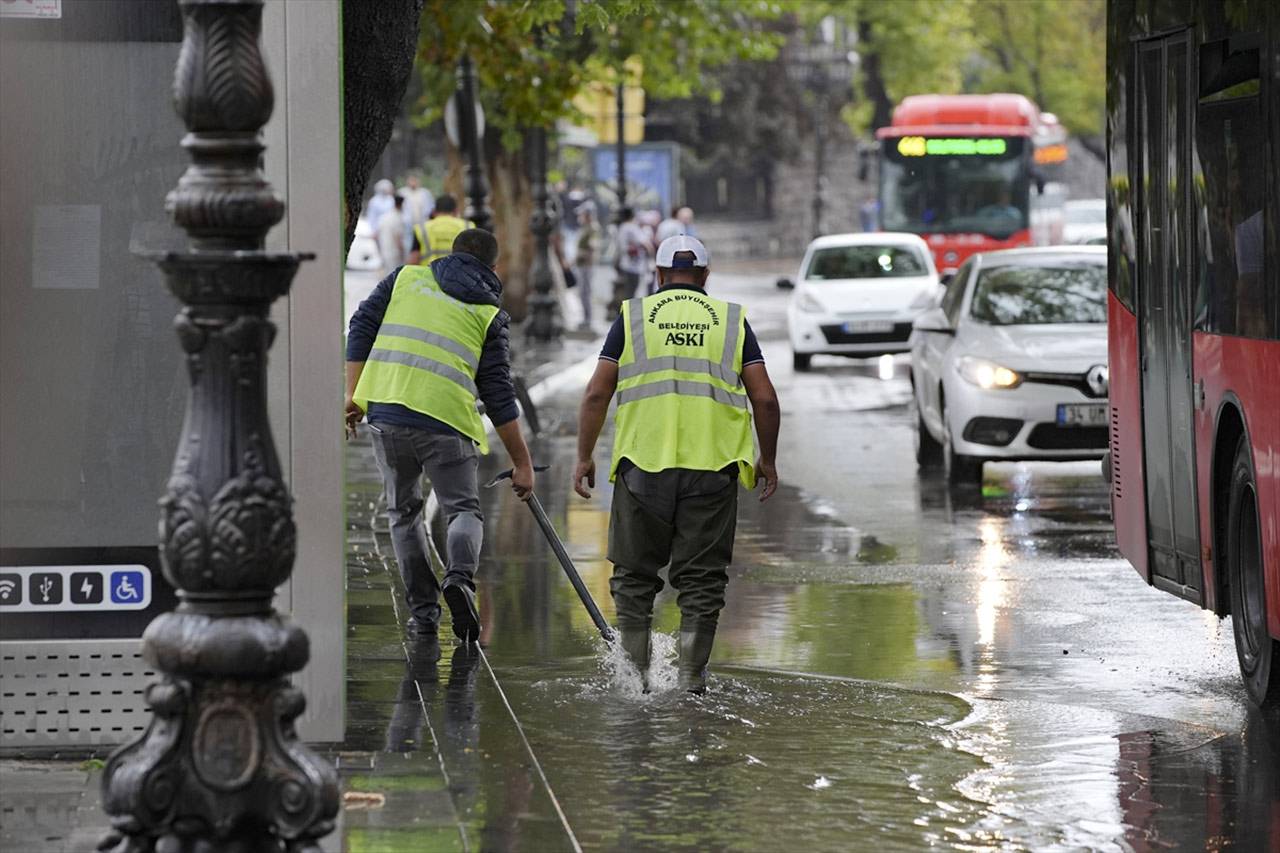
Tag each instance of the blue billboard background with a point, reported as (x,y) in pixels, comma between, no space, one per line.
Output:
(653,175)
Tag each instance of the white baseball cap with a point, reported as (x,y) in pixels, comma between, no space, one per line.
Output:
(682,243)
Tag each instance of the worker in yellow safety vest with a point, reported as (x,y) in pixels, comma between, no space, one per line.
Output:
(434,238)
(422,348)
(683,366)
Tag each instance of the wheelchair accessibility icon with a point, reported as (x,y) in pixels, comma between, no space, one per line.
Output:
(127,587)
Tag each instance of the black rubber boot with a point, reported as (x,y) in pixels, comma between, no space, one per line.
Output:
(695,652)
(635,642)
(462,607)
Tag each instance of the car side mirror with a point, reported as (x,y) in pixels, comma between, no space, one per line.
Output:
(933,320)
(786,284)
(946,278)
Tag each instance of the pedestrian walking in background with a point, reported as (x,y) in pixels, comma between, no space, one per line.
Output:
(589,235)
(418,200)
(434,238)
(632,259)
(683,365)
(390,235)
(679,222)
(426,343)
(383,199)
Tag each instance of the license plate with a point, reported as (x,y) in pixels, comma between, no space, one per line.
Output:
(868,327)
(1082,414)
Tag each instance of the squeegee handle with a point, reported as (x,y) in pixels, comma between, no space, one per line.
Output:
(567,564)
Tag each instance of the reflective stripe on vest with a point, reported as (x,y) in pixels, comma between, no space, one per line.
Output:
(418,362)
(681,403)
(426,353)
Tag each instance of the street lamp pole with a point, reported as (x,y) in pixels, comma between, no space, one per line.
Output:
(820,153)
(477,209)
(621,143)
(620,283)
(221,768)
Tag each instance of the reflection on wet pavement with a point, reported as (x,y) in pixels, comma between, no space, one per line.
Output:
(897,667)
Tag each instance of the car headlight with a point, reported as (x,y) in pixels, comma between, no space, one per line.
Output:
(987,374)
(807,303)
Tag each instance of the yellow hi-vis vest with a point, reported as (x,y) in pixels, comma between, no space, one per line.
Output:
(437,235)
(681,403)
(426,354)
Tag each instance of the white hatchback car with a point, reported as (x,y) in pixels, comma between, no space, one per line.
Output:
(857,294)
(1012,364)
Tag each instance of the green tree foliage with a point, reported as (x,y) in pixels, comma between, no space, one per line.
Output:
(1053,51)
(904,47)
(532,59)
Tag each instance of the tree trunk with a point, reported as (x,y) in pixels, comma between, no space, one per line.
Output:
(873,85)
(511,199)
(379,42)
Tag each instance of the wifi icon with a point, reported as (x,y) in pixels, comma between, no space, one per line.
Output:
(10,590)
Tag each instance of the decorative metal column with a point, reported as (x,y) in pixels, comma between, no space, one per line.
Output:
(221,768)
(544,309)
(477,185)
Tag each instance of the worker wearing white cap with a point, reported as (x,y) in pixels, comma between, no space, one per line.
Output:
(684,366)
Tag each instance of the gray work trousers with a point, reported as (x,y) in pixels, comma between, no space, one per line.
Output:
(682,518)
(450,462)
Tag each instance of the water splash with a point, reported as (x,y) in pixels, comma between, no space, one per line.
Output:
(819,783)
(623,677)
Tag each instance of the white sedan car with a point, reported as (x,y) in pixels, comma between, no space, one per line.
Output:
(1012,364)
(1085,221)
(857,295)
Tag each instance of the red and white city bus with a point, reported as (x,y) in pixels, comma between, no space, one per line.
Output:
(972,173)
(1193,127)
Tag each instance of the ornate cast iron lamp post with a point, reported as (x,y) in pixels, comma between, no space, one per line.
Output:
(221,768)
(477,186)
(544,308)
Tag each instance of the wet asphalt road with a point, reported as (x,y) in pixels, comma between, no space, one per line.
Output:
(897,668)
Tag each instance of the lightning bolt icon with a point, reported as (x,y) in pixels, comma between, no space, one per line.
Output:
(87,588)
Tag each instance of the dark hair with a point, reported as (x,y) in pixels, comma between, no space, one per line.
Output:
(479,244)
(626,213)
(675,210)
(446,204)
(399,201)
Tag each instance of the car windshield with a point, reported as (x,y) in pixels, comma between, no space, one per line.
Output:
(949,193)
(1060,292)
(865,262)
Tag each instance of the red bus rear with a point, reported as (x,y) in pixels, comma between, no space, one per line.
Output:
(1193,127)
(972,173)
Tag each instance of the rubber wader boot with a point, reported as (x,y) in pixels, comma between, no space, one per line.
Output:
(635,642)
(695,651)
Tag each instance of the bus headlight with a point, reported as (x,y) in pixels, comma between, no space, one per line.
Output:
(806,303)
(987,374)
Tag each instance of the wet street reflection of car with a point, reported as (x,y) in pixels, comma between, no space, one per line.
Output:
(857,295)
(1012,363)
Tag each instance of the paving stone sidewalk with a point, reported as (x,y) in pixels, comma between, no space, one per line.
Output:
(411,764)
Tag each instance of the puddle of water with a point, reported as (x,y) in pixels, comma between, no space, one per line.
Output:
(828,760)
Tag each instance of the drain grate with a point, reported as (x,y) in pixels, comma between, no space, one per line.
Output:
(72,693)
